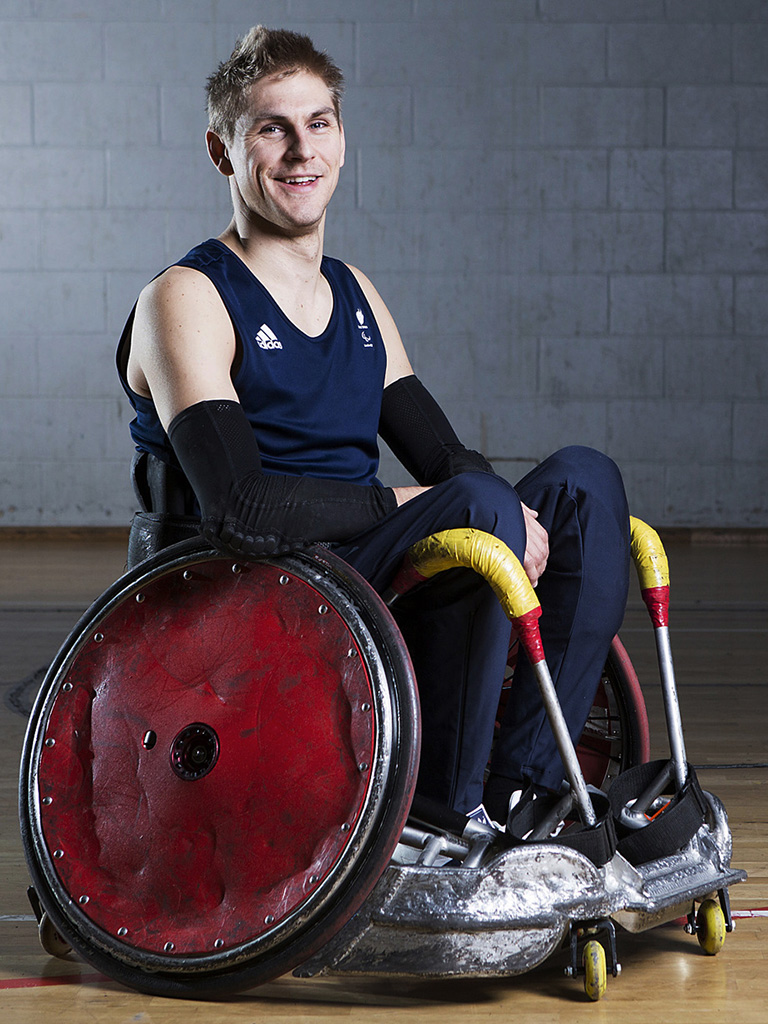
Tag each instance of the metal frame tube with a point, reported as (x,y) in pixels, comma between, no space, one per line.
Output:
(564,743)
(671,705)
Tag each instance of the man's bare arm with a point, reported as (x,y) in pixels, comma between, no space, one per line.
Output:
(183,343)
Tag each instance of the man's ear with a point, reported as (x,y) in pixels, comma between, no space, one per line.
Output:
(217,151)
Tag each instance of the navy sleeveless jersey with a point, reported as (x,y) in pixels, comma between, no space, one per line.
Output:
(313,402)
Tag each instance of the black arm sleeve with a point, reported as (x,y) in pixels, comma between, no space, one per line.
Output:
(420,436)
(247,511)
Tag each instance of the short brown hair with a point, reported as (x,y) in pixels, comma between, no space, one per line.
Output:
(261,52)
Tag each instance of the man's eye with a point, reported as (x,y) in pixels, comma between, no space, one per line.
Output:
(271,129)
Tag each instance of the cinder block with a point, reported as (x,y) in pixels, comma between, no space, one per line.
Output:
(19,378)
(98,10)
(665,53)
(35,178)
(493,10)
(101,240)
(91,494)
(751,303)
(717,242)
(533,428)
(750,431)
(559,179)
(378,115)
(424,179)
(594,242)
(728,11)
(748,489)
(602,10)
(716,368)
(512,53)
(16,122)
(446,364)
(51,51)
(20,236)
(483,365)
(644,486)
(637,179)
(699,180)
(607,116)
(717,116)
(699,494)
(94,114)
(750,53)
(494,118)
(145,52)
(61,362)
(183,115)
(20,490)
(601,367)
(662,431)
(16,9)
(751,188)
(433,243)
(72,302)
(682,304)
(161,178)
(343,10)
(446,304)
(561,304)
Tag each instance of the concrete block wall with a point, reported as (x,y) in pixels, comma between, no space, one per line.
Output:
(564,203)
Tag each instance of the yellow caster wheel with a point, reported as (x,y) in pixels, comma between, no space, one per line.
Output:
(710,927)
(50,940)
(595,973)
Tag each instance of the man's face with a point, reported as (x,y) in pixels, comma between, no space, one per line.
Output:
(287,151)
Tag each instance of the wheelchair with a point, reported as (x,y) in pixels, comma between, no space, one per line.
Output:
(217,787)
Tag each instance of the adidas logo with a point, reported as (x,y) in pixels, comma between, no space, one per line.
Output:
(267,339)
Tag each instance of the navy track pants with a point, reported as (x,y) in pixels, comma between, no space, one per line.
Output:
(458,636)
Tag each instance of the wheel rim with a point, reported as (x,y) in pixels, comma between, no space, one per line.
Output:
(212,872)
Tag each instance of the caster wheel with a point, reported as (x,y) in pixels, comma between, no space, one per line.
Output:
(710,927)
(595,972)
(50,940)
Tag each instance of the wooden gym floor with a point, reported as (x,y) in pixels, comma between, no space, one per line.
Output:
(719,639)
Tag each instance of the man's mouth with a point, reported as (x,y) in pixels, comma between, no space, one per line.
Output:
(305,179)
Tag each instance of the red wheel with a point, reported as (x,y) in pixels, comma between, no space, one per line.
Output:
(616,735)
(217,769)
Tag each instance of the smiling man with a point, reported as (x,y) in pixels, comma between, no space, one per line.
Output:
(262,371)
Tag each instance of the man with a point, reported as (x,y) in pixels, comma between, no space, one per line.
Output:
(261,372)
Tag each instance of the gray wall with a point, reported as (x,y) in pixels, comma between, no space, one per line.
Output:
(564,203)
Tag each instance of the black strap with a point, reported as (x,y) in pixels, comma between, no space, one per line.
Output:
(668,832)
(596,842)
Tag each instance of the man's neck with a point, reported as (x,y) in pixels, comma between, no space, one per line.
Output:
(289,268)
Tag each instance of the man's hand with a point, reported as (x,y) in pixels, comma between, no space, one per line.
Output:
(536,546)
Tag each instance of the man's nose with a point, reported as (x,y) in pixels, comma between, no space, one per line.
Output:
(301,145)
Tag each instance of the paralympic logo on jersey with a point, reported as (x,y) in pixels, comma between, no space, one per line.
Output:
(363,328)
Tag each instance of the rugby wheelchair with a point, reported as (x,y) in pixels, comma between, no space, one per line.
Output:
(217,787)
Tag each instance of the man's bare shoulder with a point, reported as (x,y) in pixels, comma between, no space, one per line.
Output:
(178,288)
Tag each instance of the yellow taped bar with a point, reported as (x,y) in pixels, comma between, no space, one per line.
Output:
(649,555)
(487,555)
